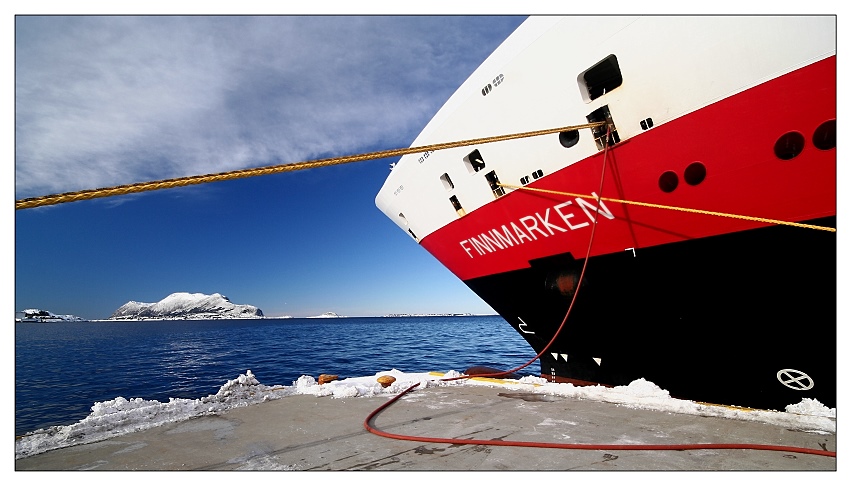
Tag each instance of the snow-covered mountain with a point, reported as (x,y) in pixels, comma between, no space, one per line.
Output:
(36,315)
(186,306)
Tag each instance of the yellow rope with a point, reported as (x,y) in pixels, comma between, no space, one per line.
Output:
(252,172)
(669,207)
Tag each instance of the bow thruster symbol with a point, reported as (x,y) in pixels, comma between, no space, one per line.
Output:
(797,380)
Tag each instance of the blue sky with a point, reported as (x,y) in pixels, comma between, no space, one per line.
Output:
(102,101)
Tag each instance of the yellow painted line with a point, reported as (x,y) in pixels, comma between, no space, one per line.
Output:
(734,408)
(492,380)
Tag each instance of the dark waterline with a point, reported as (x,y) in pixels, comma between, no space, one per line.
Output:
(62,368)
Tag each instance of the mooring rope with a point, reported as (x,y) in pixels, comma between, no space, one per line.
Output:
(674,208)
(253,172)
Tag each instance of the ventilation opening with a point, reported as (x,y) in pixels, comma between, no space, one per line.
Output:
(493,180)
(600,79)
(447,181)
(603,114)
(474,161)
(456,204)
(403,219)
(536,174)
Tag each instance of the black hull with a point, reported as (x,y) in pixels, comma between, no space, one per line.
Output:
(720,319)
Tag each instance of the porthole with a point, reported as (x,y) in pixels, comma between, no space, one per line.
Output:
(568,138)
(668,181)
(789,145)
(695,173)
(824,136)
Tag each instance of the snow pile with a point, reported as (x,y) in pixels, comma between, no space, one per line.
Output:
(811,407)
(363,386)
(121,416)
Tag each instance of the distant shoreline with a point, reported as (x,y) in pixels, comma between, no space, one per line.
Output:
(285,317)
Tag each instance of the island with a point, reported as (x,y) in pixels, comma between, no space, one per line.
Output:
(186,306)
(41,316)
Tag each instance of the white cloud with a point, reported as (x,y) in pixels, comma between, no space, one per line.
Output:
(102,101)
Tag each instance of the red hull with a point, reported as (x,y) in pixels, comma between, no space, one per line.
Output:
(733,139)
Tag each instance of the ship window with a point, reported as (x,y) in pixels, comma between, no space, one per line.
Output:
(568,138)
(602,78)
(474,161)
(495,186)
(789,145)
(695,173)
(537,174)
(447,181)
(824,136)
(456,204)
(524,180)
(668,181)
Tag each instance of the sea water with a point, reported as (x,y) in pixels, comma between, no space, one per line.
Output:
(63,368)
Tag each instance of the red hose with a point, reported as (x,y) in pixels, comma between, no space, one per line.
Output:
(581,446)
(573,446)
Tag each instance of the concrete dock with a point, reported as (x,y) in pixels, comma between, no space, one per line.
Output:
(322,433)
